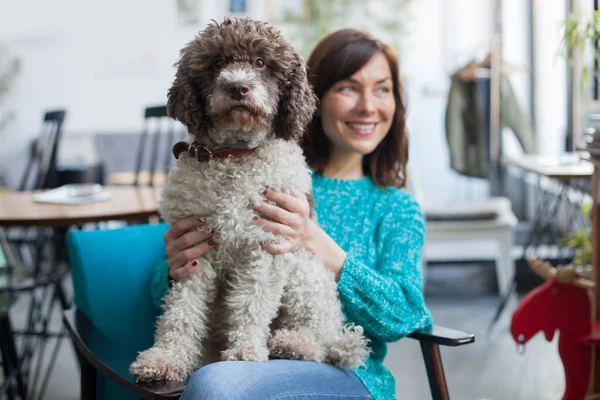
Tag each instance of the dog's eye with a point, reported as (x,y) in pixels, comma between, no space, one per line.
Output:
(219,64)
(259,63)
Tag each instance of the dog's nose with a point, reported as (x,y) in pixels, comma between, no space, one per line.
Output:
(239,90)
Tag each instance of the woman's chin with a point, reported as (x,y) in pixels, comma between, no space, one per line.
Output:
(363,148)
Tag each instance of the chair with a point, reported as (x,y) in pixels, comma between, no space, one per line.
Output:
(44,152)
(155,143)
(474,232)
(13,385)
(114,316)
(468,232)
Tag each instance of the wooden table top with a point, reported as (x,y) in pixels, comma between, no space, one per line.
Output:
(126,202)
(568,166)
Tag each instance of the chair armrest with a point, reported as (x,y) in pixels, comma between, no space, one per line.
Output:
(92,348)
(443,336)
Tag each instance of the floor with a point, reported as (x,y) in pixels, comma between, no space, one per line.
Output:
(460,297)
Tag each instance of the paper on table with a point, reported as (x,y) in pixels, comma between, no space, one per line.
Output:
(62,195)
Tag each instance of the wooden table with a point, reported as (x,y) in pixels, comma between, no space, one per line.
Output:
(565,167)
(18,209)
(566,172)
(126,203)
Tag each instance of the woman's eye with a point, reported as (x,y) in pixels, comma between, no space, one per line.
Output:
(259,63)
(346,89)
(384,89)
(219,64)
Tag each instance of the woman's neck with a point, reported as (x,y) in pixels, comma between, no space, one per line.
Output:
(344,166)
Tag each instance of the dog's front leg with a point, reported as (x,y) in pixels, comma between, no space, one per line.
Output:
(253,301)
(177,349)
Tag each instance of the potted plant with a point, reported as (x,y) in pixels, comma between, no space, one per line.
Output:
(383,18)
(581,241)
(9,68)
(580,36)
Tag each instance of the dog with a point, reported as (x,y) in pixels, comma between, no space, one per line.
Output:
(242,92)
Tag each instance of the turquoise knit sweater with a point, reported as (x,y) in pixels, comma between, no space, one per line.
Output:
(382,231)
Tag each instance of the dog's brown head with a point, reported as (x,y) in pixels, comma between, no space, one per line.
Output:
(241,80)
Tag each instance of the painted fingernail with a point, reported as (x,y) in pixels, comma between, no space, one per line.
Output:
(200,220)
(211,242)
(255,218)
(265,191)
(195,263)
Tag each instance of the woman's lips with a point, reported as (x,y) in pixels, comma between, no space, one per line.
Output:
(362,128)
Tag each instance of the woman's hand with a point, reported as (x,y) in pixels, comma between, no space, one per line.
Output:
(291,219)
(184,244)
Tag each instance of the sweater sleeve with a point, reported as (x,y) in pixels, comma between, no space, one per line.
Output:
(160,283)
(387,299)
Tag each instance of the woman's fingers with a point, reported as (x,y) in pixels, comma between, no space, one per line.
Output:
(184,257)
(183,272)
(276,228)
(180,227)
(279,214)
(279,248)
(187,240)
(288,202)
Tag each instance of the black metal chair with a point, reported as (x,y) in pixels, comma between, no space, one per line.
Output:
(44,153)
(14,384)
(35,265)
(154,156)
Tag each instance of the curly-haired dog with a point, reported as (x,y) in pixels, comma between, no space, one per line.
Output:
(242,92)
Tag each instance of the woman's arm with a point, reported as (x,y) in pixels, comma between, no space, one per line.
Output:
(385,299)
(160,283)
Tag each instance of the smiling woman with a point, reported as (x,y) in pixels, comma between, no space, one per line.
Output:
(356,78)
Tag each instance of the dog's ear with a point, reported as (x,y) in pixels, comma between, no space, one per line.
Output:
(296,105)
(185,102)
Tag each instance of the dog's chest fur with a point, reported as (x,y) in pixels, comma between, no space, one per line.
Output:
(223,191)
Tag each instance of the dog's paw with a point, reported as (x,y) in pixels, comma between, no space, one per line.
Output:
(157,365)
(295,345)
(245,354)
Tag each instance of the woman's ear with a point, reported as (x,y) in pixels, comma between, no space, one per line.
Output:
(296,104)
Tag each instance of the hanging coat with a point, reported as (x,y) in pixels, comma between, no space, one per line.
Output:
(466,130)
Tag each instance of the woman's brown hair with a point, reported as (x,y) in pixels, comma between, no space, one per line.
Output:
(337,57)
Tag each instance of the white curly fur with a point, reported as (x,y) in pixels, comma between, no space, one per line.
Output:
(286,306)
(241,302)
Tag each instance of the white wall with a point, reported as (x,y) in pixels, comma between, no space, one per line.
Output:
(105,61)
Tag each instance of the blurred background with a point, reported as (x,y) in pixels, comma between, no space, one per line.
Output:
(106,61)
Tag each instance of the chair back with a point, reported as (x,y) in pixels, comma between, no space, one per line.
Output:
(112,272)
(41,171)
(154,155)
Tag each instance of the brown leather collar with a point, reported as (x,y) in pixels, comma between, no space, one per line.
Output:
(202,154)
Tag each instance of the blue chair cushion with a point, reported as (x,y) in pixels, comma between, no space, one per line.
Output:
(112,272)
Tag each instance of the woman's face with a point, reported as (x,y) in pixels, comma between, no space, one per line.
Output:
(357,112)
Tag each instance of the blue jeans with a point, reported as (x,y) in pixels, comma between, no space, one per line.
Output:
(276,379)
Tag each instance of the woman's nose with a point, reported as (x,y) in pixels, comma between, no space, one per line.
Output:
(366,105)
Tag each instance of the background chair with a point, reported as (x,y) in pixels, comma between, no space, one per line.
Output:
(115,317)
(469,232)
(44,151)
(14,384)
(154,156)
(32,263)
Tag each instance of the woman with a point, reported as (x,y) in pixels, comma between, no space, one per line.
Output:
(370,231)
